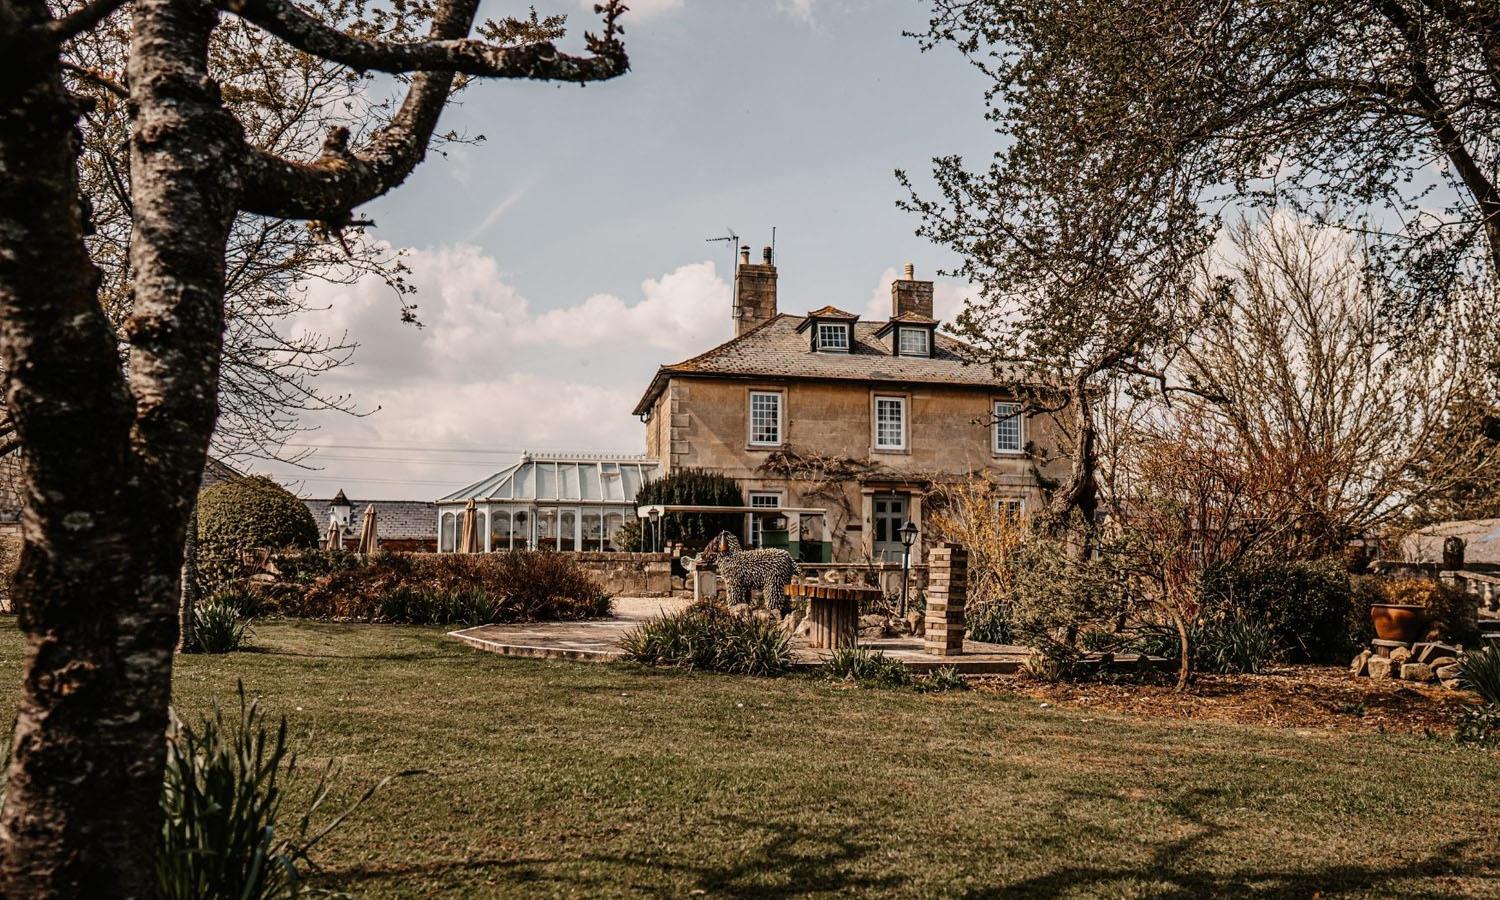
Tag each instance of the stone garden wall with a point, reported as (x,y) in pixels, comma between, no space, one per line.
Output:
(629,574)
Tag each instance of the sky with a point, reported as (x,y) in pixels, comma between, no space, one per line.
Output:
(563,258)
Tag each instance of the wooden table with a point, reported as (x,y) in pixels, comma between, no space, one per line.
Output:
(833,610)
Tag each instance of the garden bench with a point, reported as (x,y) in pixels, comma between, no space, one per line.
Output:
(833,610)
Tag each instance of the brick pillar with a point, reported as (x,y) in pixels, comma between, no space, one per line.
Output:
(947,591)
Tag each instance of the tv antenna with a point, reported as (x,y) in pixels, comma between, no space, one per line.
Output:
(734,246)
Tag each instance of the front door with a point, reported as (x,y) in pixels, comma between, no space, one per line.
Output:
(890,515)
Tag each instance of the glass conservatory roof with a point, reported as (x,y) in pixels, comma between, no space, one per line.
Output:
(575,478)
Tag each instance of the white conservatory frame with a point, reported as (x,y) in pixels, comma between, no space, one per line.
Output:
(561,502)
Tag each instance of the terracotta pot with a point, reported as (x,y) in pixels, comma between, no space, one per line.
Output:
(1399,621)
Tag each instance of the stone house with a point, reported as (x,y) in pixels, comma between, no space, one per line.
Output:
(861,419)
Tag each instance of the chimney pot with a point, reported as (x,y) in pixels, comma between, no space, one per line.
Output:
(765,254)
(911,272)
(745,255)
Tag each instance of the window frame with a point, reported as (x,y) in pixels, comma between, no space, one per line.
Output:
(1019,414)
(904,404)
(842,328)
(751,396)
(924,333)
(756,526)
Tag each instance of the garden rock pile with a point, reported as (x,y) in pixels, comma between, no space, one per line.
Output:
(1425,662)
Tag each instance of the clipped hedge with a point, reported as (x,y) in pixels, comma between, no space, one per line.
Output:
(688,487)
(247,514)
(437,589)
(1306,604)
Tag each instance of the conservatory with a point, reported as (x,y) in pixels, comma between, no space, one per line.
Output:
(549,502)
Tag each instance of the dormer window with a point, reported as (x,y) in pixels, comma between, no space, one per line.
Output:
(914,341)
(833,336)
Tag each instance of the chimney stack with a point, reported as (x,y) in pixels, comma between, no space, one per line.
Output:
(908,295)
(754,292)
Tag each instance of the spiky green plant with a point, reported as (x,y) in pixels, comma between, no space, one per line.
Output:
(860,665)
(218,628)
(1479,671)
(222,799)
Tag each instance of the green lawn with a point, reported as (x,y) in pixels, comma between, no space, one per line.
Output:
(568,779)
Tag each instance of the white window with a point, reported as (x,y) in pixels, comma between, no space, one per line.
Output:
(1011,509)
(765,418)
(833,336)
(1008,437)
(890,423)
(761,500)
(913,342)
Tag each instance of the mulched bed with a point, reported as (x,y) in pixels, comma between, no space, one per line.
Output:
(1305,697)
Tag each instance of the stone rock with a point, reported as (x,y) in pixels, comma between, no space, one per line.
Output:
(1449,672)
(915,623)
(765,615)
(1437,662)
(1434,651)
(1357,668)
(804,628)
(1400,655)
(1453,684)
(1381,667)
(794,619)
(1416,672)
(740,609)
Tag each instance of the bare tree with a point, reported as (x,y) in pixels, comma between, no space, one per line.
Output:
(1340,410)
(114,455)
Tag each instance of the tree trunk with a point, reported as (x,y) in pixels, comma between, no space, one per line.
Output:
(187,605)
(110,471)
(1184,653)
(1081,491)
(72,821)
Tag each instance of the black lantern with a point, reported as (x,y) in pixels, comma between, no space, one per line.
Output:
(655,516)
(908,534)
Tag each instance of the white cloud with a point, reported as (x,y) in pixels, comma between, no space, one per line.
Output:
(947,298)
(490,370)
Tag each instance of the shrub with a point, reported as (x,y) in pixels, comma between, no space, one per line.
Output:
(989,622)
(946,678)
(690,487)
(221,802)
(444,589)
(1304,603)
(1479,671)
(1231,641)
(244,603)
(858,664)
(217,627)
(1479,726)
(708,637)
(245,514)
(1055,597)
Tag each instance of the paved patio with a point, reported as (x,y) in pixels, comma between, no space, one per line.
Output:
(599,641)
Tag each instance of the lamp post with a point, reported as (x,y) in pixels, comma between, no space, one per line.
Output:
(908,534)
(655,518)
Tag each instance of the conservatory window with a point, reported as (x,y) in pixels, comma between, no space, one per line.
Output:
(914,342)
(521,534)
(499,530)
(446,542)
(765,418)
(613,522)
(567,531)
(833,336)
(1008,437)
(593,531)
(890,423)
(546,529)
(481,521)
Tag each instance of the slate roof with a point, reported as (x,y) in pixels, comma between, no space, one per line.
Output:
(776,350)
(394,519)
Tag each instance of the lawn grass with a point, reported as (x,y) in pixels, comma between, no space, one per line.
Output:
(574,779)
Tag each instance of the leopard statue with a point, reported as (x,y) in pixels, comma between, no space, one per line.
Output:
(745,570)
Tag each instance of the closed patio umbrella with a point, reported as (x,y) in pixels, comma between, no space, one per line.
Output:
(335,534)
(470,541)
(369,538)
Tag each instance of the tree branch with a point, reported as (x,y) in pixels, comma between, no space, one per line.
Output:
(467,56)
(328,188)
(82,19)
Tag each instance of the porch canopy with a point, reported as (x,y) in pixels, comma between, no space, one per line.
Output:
(764,526)
(563,501)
